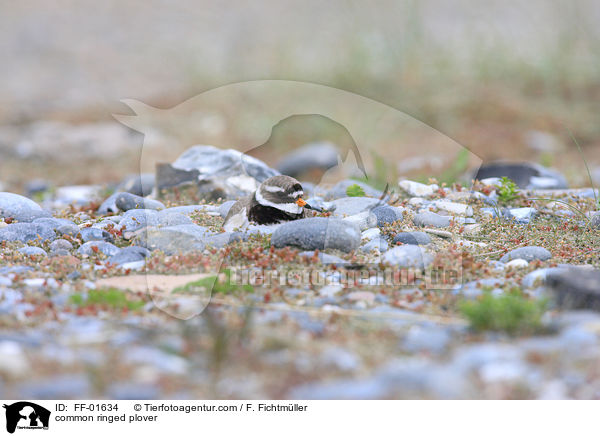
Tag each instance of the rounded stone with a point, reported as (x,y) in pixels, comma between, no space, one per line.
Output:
(126,201)
(19,208)
(385,215)
(100,247)
(412,238)
(408,256)
(93,234)
(61,244)
(527,253)
(32,251)
(317,234)
(431,219)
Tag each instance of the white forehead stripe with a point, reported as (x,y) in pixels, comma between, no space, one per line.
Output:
(297,194)
(285,207)
(270,188)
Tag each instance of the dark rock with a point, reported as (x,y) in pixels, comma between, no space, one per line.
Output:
(576,288)
(412,238)
(317,233)
(309,157)
(525,174)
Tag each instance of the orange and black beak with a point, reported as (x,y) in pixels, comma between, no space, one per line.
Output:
(300,202)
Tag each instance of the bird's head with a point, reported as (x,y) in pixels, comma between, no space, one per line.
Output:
(283,193)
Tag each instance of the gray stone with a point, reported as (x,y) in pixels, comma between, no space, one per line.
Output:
(324,258)
(309,157)
(317,233)
(190,209)
(173,219)
(93,234)
(522,215)
(526,175)
(102,247)
(32,251)
(431,219)
(576,288)
(25,232)
(527,253)
(126,201)
(19,208)
(173,240)
(339,190)
(224,208)
(53,223)
(408,256)
(68,229)
(136,219)
(428,339)
(353,205)
(124,257)
(109,205)
(595,221)
(375,244)
(385,215)
(412,238)
(138,184)
(144,252)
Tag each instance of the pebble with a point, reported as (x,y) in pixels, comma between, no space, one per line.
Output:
(417,189)
(126,201)
(317,234)
(25,232)
(20,208)
(527,253)
(93,234)
(454,208)
(517,263)
(378,244)
(173,240)
(431,219)
(386,215)
(102,247)
(522,215)
(412,238)
(407,256)
(32,251)
(309,157)
(353,205)
(124,257)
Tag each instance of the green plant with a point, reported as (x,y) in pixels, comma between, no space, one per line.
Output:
(355,191)
(206,284)
(508,190)
(512,313)
(113,298)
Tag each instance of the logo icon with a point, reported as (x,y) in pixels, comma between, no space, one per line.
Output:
(26,415)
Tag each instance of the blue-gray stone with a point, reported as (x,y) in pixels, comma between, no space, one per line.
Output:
(93,234)
(109,205)
(20,208)
(138,184)
(224,208)
(32,251)
(527,253)
(136,219)
(103,247)
(144,252)
(53,223)
(172,240)
(27,232)
(317,234)
(375,244)
(124,257)
(408,256)
(68,229)
(385,215)
(126,201)
(522,215)
(431,219)
(173,219)
(428,339)
(412,238)
(312,156)
(348,206)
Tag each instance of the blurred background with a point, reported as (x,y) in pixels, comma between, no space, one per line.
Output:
(506,79)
